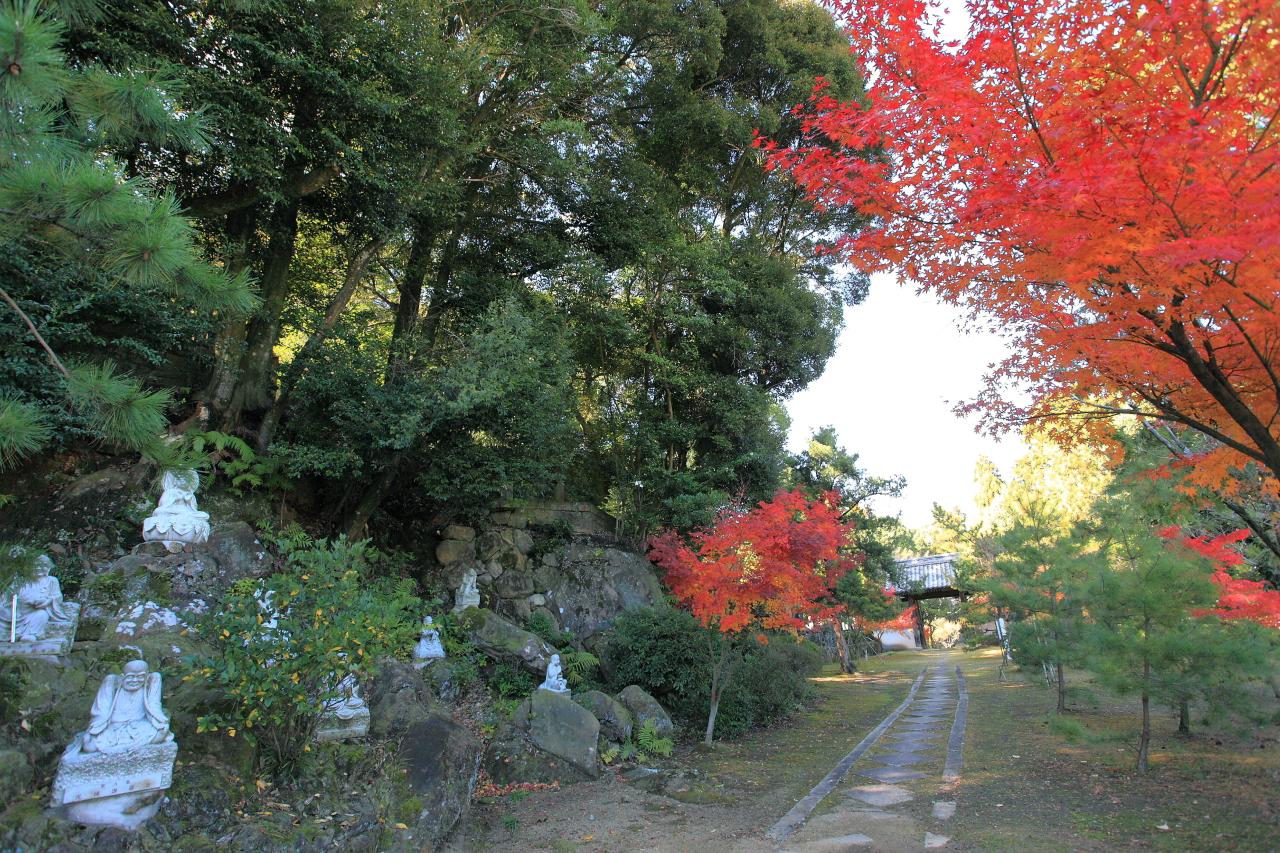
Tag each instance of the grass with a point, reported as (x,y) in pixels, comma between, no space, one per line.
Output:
(1037,781)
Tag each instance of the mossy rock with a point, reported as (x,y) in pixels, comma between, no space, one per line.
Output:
(503,640)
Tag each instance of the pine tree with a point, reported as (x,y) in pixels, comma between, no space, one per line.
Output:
(64,193)
(1149,599)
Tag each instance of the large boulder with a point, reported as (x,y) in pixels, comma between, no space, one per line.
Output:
(614,718)
(504,640)
(551,738)
(398,698)
(644,708)
(442,763)
(593,584)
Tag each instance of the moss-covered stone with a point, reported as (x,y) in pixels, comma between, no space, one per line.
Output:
(16,774)
(503,640)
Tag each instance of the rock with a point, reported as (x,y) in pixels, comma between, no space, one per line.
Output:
(594,584)
(15,775)
(516,520)
(644,707)
(239,552)
(491,545)
(398,698)
(106,480)
(614,718)
(443,761)
(503,640)
(537,600)
(522,541)
(550,739)
(514,584)
(562,727)
(459,532)
(454,551)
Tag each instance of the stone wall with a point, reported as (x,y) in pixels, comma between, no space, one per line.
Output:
(581,584)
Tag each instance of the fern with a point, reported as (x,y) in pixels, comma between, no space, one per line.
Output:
(648,740)
(235,459)
(578,665)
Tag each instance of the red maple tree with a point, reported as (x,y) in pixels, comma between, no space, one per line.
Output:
(1099,177)
(773,566)
(1239,598)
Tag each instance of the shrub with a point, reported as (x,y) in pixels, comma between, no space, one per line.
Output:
(281,646)
(663,650)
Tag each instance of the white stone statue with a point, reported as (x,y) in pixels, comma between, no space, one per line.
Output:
(116,771)
(34,620)
(345,715)
(429,647)
(554,682)
(468,595)
(176,522)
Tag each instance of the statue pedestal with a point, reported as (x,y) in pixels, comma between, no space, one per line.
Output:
(56,641)
(332,727)
(113,789)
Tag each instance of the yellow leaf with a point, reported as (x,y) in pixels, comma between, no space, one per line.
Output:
(402,826)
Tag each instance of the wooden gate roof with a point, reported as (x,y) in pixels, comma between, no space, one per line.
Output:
(928,577)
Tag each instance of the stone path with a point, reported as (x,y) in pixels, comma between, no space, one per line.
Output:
(896,796)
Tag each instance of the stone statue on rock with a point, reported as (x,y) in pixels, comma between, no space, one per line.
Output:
(555,681)
(34,619)
(345,715)
(116,771)
(176,522)
(468,595)
(429,647)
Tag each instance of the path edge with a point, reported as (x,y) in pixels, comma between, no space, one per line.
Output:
(792,820)
(955,743)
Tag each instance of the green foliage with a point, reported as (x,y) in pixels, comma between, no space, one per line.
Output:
(511,681)
(65,197)
(545,627)
(578,665)
(648,740)
(23,431)
(281,646)
(664,651)
(233,458)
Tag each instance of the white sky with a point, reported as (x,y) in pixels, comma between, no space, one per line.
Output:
(900,366)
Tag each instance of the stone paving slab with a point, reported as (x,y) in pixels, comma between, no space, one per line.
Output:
(881,795)
(891,774)
(901,760)
(944,809)
(837,844)
(922,734)
(931,841)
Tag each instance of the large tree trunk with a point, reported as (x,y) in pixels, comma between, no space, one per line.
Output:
(1144,740)
(243,379)
(356,269)
(1062,688)
(842,648)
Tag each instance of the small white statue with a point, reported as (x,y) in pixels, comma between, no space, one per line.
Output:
(554,682)
(176,522)
(345,715)
(468,595)
(429,647)
(116,771)
(32,608)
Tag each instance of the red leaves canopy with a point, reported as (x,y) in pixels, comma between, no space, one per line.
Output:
(1102,177)
(1238,598)
(773,566)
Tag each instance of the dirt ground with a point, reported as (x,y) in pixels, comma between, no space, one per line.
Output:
(1026,785)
